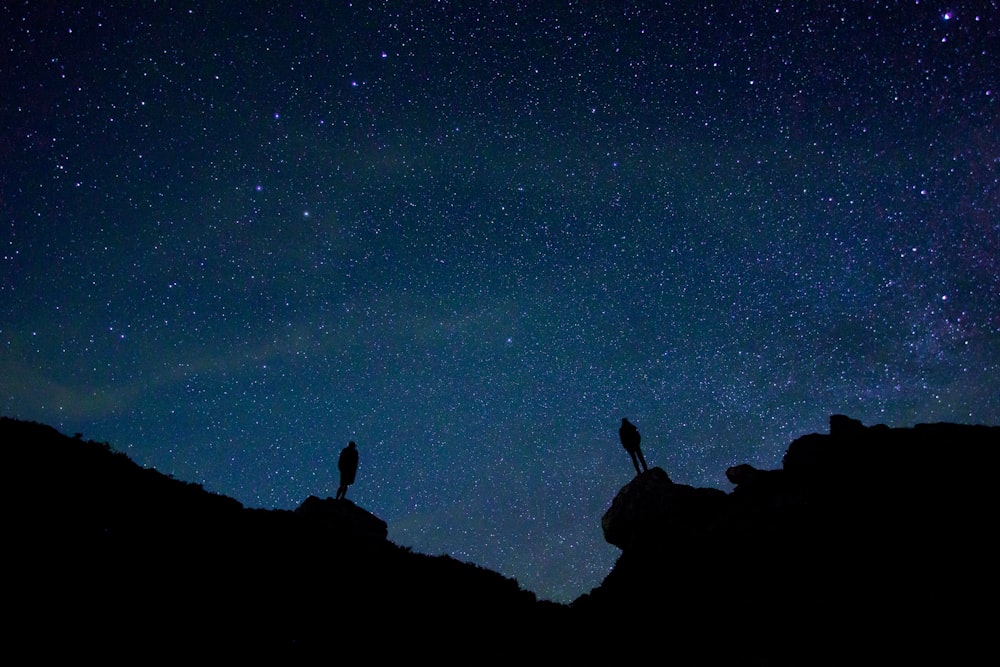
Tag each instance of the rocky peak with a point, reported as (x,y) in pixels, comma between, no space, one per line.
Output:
(344,517)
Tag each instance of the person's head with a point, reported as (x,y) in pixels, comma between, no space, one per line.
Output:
(351,444)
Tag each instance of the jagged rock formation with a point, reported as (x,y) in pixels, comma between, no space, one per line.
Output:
(873,479)
(868,544)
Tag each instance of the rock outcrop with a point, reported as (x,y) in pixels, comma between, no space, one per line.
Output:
(854,474)
(652,504)
(344,517)
(870,543)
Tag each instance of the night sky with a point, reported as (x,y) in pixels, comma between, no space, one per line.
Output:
(473,236)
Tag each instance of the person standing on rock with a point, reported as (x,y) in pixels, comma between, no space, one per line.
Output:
(629,435)
(348,465)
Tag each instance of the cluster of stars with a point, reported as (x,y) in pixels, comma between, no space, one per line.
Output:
(473,240)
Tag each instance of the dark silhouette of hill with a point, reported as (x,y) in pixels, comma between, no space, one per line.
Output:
(868,545)
(112,559)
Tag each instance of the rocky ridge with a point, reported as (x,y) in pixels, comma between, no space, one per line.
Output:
(869,543)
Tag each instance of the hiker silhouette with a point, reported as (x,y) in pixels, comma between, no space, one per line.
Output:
(629,435)
(348,465)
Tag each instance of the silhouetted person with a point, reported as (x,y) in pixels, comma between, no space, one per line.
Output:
(348,465)
(629,436)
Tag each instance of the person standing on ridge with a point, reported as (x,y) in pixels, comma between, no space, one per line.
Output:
(629,435)
(348,465)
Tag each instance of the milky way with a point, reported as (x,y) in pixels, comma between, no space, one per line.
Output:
(472,237)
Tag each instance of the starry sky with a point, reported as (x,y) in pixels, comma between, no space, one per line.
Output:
(472,236)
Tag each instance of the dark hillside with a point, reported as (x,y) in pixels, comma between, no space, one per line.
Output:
(114,559)
(868,545)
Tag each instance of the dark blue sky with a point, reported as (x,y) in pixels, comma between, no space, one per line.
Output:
(473,236)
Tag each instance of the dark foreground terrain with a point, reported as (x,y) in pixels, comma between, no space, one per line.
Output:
(869,545)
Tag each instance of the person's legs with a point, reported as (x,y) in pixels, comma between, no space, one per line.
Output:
(635,462)
(642,458)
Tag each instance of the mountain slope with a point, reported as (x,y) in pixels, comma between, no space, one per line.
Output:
(113,559)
